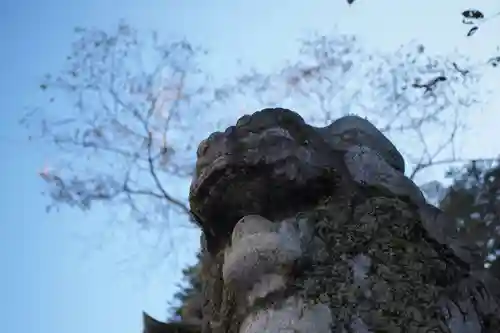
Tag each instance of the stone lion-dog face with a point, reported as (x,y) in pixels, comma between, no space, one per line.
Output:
(272,163)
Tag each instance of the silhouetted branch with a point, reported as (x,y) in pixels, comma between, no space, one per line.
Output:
(167,196)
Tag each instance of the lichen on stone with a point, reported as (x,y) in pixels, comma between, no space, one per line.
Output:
(318,230)
(405,271)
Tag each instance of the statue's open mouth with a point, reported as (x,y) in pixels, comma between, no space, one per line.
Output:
(253,151)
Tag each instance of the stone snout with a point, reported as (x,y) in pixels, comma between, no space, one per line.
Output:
(260,255)
(258,263)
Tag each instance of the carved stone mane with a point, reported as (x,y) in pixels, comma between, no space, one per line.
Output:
(310,229)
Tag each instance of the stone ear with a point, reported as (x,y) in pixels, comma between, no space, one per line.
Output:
(152,325)
(364,133)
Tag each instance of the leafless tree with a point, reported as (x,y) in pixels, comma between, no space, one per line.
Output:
(125,113)
(121,114)
(419,100)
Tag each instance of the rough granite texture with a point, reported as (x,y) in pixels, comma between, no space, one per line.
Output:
(318,230)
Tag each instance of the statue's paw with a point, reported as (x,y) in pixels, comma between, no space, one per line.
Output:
(260,253)
(294,315)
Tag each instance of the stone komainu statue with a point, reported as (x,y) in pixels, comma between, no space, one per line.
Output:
(311,230)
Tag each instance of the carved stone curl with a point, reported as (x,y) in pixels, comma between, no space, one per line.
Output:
(318,230)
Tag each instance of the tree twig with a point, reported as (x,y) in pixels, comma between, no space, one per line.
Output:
(179,204)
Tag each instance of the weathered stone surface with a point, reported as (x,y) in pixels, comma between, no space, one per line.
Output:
(318,230)
(293,316)
(439,226)
(271,164)
(353,130)
(258,250)
(367,167)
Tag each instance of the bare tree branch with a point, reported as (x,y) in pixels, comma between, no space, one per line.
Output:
(167,196)
(128,123)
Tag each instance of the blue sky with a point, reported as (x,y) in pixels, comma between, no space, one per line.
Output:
(70,272)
